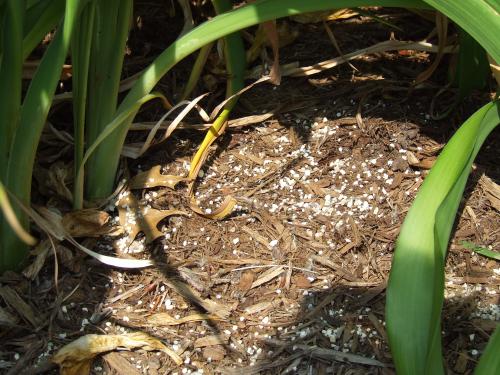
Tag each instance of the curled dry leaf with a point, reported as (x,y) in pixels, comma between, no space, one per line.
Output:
(76,357)
(136,217)
(88,223)
(154,178)
(224,210)
(51,223)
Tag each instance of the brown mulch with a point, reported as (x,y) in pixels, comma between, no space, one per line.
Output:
(294,280)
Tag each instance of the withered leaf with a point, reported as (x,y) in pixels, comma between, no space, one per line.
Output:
(224,210)
(136,217)
(76,357)
(154,178)
(87,223)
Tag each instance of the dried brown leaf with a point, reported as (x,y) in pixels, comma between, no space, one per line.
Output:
(51,222)
(76,357)
(154,178)
(224,210)
(87,223)
(145,219)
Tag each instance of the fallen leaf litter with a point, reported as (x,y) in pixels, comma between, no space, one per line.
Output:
(313,216)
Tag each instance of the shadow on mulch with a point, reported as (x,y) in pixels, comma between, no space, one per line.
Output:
(337,322)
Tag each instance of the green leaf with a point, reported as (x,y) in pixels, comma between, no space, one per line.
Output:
(10,77)
(30,122)
(481,250)
(490,360)
(41,18)
(416,283)
(80,59)
(478,17)
(114,125)
(473,69)
(110,32)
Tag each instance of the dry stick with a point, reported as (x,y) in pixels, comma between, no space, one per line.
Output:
(335,355)
(332,38)
(389,45)
(239,122)
(345,274)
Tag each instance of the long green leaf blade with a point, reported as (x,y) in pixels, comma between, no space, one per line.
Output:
(33,115)
(416,284)
(80,58)
(40,19)
(480,18)
(10,77)
(490,360)
(481,250)
(112,21)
